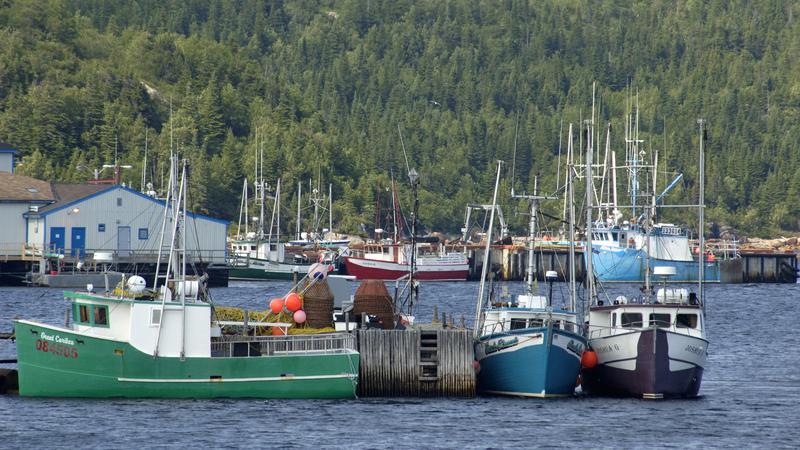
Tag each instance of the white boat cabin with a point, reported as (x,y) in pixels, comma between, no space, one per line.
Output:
(254,249)
(530,311)
(674,309)
(147,324)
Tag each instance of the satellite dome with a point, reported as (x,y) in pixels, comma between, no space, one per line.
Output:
(136,284)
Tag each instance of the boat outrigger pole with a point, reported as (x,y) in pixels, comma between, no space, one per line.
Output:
(487,248)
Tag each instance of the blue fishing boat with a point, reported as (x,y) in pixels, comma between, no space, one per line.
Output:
(529,349)
(526,346)
(622,254)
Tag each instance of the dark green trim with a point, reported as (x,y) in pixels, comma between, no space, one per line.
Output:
(102,298)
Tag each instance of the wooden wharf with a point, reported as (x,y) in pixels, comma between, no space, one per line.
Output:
(416,363)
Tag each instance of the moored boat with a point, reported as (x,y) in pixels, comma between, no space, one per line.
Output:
(527,347)
(393,261)
(651,349)
(654,346)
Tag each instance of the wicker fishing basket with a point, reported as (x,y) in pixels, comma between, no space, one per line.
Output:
(318,304)
(373,298)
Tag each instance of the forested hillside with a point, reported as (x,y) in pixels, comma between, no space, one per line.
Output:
(327,84)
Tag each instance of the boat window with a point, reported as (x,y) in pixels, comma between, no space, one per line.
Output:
(613,320)
(686,321)
(252,247)
(569,326)
(556,324)
(517,324)
(536,323)
(660,320)
(631,320)
(101,315)
(155,316)
(81,314)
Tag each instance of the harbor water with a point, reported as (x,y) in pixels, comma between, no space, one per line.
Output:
(749,394)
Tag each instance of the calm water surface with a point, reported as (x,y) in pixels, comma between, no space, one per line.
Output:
(750,395)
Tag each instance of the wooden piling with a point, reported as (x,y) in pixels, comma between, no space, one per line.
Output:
(416,363)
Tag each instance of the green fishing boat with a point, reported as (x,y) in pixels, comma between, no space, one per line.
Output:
(168,343)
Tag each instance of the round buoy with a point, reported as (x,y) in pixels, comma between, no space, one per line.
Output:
(278,331)
(276,305)
(589,359)
(318,271)
(294,302)
(299,316)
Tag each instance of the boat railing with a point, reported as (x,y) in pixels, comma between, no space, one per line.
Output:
(252,346)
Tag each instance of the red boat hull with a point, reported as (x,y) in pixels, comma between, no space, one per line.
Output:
(365,269)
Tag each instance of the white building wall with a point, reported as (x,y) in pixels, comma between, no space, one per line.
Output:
(12,228)
(120,208)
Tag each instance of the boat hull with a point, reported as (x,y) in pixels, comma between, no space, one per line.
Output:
(53,362)
(530,363)
(258,269)
(652,363)
(367,269)
(629,265)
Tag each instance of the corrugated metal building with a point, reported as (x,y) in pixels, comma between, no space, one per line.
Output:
(88,218)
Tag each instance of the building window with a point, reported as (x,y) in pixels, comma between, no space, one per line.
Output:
(143,234)
(119,201)
(101,227)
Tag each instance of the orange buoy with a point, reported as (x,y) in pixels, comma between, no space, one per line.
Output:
(276,305)
(294,302)
(278,331)
(589,359)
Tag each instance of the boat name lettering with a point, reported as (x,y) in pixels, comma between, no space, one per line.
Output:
(696,350)
(607,348)
(57,338)
(501,344)
(56,349)
(575,347)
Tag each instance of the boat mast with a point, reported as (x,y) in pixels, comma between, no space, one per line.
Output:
(487,248)
(276,216)
(299,194)
(242,211)
(144,164)
(701,218)
(260,180)
(571,199)
(330,210)
(183,262)
(531,236)
(589,202)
